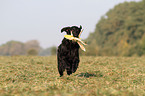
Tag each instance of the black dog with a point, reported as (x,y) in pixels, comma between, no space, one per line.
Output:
(68,52)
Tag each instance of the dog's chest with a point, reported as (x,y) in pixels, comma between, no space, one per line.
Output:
(73,45)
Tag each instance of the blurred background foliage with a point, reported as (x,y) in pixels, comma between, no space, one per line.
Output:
(18,48)
(120,32)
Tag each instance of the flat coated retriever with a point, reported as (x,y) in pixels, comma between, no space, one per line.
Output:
(68,52)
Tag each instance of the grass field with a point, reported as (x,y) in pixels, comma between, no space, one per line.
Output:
(96,76)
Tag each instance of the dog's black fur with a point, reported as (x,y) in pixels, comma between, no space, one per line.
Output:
(68,52)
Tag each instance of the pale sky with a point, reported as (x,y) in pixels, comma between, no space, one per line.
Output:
(42,20)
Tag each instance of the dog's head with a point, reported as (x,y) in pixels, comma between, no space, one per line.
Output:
(74,30)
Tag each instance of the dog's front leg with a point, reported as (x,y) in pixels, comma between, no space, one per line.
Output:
(69,68)
(75,64)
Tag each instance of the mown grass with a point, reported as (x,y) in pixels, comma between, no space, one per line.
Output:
(96,76)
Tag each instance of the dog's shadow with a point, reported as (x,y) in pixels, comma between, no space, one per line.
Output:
(90,74)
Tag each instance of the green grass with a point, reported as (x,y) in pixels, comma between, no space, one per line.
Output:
(96,76)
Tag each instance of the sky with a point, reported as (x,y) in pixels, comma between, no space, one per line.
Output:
(42,20)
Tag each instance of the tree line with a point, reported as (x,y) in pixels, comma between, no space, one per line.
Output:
(31,47)
(120,32)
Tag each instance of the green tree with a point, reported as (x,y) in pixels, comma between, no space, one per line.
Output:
(45,52)
(120,31)
(19,48)
(32,52)
(53,50)
(12,48)
(32,44)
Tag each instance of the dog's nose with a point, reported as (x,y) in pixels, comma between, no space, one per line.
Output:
(75,35)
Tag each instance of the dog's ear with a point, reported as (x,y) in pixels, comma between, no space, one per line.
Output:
(80,27)
(66,29)
(80,32)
